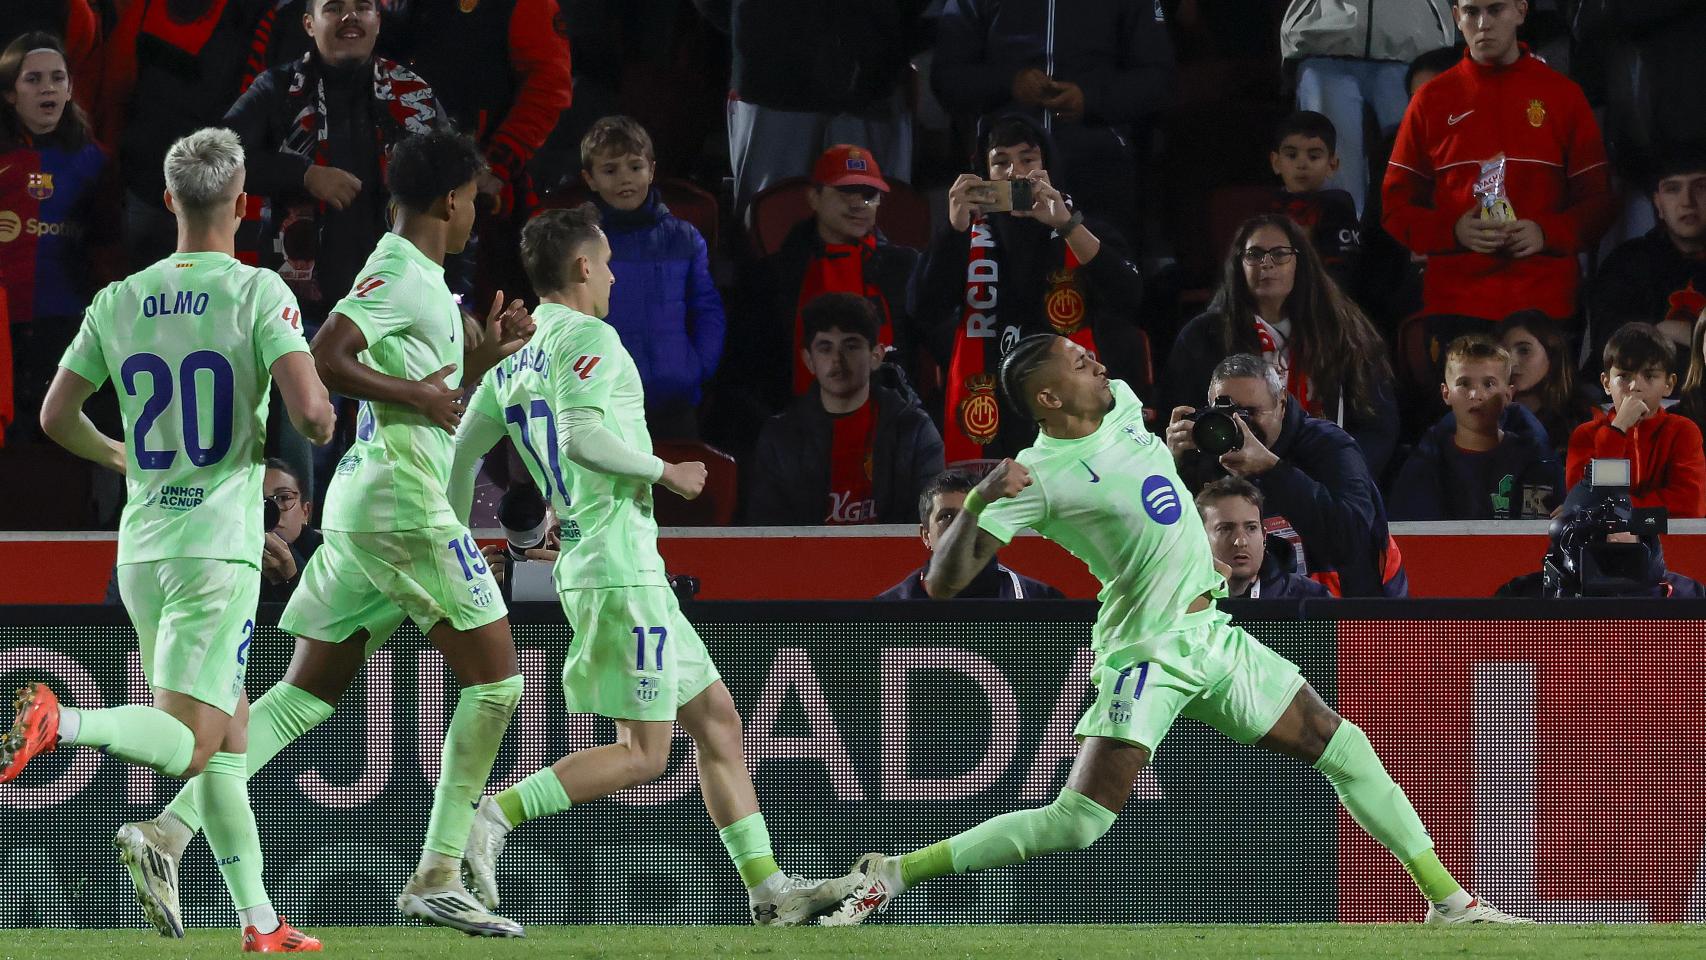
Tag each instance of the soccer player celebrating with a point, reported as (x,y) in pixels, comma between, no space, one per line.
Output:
(393,548)
(193,344)
(1102,486)
(572,401)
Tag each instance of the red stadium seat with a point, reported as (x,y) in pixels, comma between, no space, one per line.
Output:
(713,508)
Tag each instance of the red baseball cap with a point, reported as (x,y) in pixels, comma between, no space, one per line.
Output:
(845,165)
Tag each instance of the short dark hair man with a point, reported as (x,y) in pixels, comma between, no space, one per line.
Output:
(938,505)
(1231,511)
(1312,474)
(850,450)
(1659,278)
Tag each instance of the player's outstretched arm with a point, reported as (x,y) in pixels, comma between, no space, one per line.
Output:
(336,348)
(967,548)
(63,420)
(305,397)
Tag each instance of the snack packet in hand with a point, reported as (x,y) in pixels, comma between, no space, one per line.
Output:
(1490,190)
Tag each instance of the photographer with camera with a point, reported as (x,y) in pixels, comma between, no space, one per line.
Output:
(1318,491)
(290,541)
(1017,258)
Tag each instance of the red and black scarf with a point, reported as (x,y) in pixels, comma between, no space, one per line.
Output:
(407,107)
(973,414)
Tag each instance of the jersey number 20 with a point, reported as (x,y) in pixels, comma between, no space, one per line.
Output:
(188,382)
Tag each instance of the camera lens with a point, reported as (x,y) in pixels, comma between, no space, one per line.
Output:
(1216,434)
(269,514)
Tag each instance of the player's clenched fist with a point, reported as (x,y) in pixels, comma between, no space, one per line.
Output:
(442,405)
(1006,480)
(686,480)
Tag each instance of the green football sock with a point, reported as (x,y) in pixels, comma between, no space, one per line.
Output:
(539,794)
(223,798)
(476,729)
(1377,804)
(1072,822)
(281,716)
(138,734)
(748,842)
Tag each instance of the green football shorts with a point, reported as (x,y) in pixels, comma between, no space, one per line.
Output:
(633,656)
(371,581)
(1209,670)
(194,619)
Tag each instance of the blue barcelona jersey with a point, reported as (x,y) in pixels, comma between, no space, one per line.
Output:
(43,197)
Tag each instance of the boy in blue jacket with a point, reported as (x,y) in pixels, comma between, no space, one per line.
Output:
(664,305)
(1488,459)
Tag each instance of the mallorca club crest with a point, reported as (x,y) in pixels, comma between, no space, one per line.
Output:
(1685,304)
(979,412)
(1536,112)
(40,185)
(1065,304)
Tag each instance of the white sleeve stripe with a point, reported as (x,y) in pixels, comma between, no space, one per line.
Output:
(1593,167)
(1424,176)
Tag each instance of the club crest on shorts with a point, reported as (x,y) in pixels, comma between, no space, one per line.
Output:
(482,595)
(648,690)
(1119,712)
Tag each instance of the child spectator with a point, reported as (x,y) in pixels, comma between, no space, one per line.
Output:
(664,305)
(1667,464)
(1305,154)
(1485,460)
(849,450)
(1276,301)
(1543,376)
(50,168)
(1231,511)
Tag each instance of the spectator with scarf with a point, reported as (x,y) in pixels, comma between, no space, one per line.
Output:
(1277,301)
(991,279)
(52,175)
(838,249)
(316,135)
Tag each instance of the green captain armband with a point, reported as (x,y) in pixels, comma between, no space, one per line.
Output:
(974,503)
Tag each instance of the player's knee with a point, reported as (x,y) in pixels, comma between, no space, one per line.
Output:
(647,760)
(1078,821)
(1345,750)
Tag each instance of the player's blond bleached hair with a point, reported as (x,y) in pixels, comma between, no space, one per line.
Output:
(205,170)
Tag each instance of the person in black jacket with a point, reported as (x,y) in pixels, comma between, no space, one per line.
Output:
(838,249)
(1260,568)
(1094,72)
(1277,301)
(938,505)
(1319,493)
(850,450)
(316,135)
(291,541)
(808,75)
(1659,278)
(1488,459)
(990,279)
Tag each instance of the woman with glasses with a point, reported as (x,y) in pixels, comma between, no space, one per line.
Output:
(291,541)
(1277,301)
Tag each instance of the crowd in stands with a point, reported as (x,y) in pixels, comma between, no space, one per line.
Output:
(1436,254)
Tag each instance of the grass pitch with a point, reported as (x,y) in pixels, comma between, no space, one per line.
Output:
(1063,942)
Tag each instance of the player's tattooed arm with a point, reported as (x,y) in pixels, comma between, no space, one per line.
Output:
(967,548)
(65,423)
(336,348)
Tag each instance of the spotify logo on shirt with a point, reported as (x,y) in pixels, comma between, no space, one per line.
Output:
(1161,501)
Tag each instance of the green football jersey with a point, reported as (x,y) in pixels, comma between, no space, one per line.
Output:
(189,344)
(396,474)
(573,360)
(1114,500)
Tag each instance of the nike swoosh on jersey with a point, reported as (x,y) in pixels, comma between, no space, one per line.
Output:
(1452,120)
(1093,477)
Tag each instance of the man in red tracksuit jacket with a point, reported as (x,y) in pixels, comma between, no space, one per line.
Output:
(1499,99)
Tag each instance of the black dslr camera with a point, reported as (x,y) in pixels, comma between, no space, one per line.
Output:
(1214,430)
(1584,560)
(269,514)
